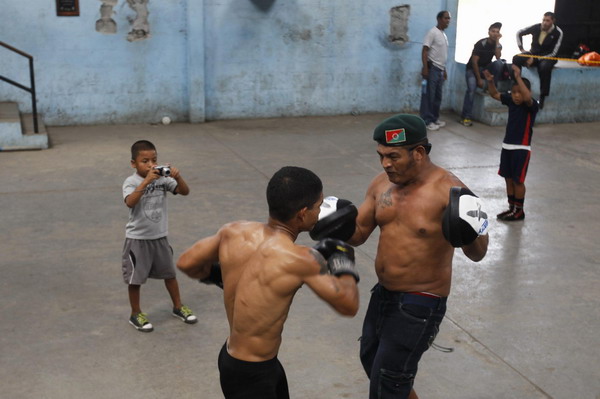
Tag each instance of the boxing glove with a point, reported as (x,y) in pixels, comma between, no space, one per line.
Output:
(214,277)
(464,218)
(339,256)
(337,219)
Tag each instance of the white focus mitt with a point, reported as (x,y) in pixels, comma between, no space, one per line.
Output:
(464,218)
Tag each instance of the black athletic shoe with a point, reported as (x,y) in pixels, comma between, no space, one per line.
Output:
(514,215)
(185,314)
(141,323)
(501,215)
(542,98)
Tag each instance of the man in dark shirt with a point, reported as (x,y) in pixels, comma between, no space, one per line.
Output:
(546,39)
(481,58)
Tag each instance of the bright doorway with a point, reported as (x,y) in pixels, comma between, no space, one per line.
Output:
(475,16)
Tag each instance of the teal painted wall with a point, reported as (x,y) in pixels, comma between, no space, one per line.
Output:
(219,59)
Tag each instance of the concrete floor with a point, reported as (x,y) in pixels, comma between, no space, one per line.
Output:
(523,323)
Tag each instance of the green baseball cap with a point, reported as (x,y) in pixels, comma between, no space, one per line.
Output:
(399,130)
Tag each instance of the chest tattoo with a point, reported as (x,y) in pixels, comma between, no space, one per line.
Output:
(385,200)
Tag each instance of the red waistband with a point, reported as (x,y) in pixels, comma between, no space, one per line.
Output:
(427,294)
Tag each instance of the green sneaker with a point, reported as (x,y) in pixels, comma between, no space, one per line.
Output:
(141,323)
(185,314)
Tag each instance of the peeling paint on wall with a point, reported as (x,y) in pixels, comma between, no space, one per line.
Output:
(263,5)
(140,28)
(106,24)
(399,24)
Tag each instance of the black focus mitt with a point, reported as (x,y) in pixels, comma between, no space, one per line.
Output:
(337,219)
(214,277)
(464,218)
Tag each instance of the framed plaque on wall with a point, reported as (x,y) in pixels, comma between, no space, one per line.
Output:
(67,8)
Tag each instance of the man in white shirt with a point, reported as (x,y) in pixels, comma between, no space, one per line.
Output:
(434,56)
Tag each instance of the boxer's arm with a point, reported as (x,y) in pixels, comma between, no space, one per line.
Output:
(365,221)
(477,249)
(340,292)
(196,262)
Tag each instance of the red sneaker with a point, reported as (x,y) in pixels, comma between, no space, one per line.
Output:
(501,215)
(514,215)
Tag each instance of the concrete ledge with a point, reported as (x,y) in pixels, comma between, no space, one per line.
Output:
(10,122)
(26,142)
(17,135)
(573,95)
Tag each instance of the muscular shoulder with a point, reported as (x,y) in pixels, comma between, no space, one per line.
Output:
(435,190)
(284,266)
(248,239)
(379,184)
(443,180)
(241,227)
(240,239)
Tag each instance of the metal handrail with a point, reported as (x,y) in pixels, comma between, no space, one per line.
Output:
(31,89)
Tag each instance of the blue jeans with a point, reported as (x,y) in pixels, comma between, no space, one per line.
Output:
(398,328)
(431,100)
(495,69)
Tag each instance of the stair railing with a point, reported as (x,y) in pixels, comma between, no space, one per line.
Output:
(31,89)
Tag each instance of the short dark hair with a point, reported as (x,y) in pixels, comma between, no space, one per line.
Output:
(551,15)
(141,145)
(290,189)
(423,143)
(441,14)
(525,81)
(495,25)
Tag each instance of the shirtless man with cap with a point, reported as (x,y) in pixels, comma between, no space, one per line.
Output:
(423,212)
(260,269)
(409,202)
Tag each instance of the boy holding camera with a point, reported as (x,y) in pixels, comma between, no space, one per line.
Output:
(147,253)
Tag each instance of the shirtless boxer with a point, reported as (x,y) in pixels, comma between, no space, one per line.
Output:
(260,269)
(420,224)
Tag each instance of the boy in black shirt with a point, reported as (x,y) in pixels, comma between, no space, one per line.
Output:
(516,147)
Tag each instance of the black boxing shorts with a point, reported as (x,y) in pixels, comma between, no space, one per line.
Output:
(514,164)
(251,380)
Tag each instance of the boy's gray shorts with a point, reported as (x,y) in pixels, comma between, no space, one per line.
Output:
(143,259)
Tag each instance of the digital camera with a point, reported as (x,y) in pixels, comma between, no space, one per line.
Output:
(163,170)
